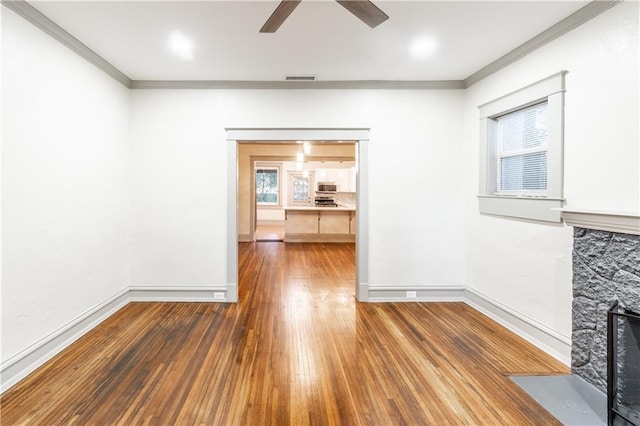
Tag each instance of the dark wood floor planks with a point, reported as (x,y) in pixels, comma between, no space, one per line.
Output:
(297,349)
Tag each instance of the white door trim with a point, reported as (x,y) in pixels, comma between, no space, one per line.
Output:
(275,135)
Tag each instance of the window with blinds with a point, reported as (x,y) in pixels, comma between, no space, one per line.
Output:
(522,151)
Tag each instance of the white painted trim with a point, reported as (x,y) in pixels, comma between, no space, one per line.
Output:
(362,291)
(271,222)
(39,20)
(550,89)
(300,85)
(232,292)
(17,367)
(528,95)
(362,222)
(536,333)
(176,293)
(425,293)
(541,336)
(237,135)
(295,134)
(319,238)
(232,215)
(245,238)
(581,16)
(555,145)
(574,20)
(20,365)
(26,361)
(532,208)
(622,222)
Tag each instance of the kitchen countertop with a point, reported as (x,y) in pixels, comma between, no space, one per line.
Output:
(313,208)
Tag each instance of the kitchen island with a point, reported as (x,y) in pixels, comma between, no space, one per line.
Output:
(320,224)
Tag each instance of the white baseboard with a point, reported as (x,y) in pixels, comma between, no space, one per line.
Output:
(319,238)
(177,294)
(362,292)
(541,336)
(270,222)
(16,368)
(26,361)
(232,293)
(436,293)
(245,238)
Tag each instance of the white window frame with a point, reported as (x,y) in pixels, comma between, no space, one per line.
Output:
(533,206)
(277,168)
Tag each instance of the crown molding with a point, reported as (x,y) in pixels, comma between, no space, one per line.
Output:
(299,85)
(38,19)
(557,30)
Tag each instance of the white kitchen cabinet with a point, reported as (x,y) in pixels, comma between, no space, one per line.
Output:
(301,222)
(319,224)
(345,181)
(334,222)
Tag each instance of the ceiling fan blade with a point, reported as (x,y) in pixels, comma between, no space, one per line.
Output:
(279,15)
(366,11)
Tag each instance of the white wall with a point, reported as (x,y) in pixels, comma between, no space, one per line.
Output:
(179,204)
(269,215)
(527,266)
(69,134)
(65,192)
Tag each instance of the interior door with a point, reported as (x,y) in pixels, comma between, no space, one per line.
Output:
(301,188)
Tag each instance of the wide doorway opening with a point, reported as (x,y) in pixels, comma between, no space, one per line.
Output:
(298,189)
(301,191)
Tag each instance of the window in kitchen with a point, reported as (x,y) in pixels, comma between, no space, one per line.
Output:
(268,186)
(521,152)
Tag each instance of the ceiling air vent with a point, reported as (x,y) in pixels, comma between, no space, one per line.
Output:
(300,78)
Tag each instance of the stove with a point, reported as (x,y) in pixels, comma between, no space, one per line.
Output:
(325,201)
(326,195)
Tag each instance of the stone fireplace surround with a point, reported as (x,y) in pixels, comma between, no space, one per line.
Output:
(606,268)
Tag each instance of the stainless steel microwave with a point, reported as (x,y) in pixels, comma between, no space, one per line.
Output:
(327,187)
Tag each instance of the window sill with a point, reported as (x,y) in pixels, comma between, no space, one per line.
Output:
(532,208)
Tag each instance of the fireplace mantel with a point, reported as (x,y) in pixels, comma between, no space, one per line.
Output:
(622,222)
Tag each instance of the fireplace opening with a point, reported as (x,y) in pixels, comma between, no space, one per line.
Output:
(623,366)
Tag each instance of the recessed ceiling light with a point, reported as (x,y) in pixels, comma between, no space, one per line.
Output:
(423,47)
(181,46)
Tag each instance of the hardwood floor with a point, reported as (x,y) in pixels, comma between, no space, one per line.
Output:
(269,232)
(297,349)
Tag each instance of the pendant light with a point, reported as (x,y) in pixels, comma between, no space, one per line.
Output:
(299,157)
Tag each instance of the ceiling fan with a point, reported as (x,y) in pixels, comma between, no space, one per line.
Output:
(364,10)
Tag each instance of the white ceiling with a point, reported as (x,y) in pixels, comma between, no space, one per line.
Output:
(319,38)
